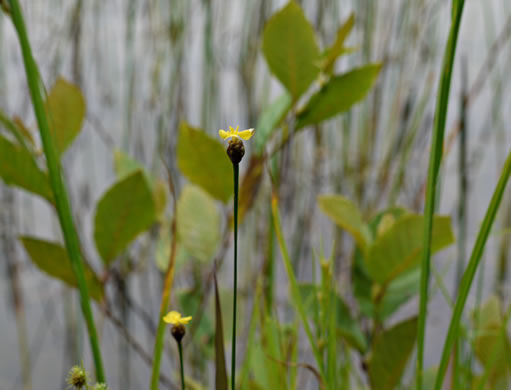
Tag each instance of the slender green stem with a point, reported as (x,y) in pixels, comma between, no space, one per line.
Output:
(57,184)
(165,297)
(434,167)
(468,276)
(236,169)
(180,347)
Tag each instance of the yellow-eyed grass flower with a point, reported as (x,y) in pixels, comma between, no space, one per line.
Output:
(235,151)
(178,331)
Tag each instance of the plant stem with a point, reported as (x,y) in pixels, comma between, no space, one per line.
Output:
(236,168)
(57,184)
(165,297)
(434,167)
(180,347)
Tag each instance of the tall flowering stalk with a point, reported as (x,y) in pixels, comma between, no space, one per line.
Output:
(178,331)
(235,151)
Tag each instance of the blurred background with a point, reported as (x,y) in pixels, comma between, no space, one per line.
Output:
(145,65)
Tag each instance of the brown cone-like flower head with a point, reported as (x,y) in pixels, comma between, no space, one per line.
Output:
(178,332)
(235,150)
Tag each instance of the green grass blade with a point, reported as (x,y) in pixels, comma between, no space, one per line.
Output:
(468,275)
(57,184)
(434,166)
(293,285)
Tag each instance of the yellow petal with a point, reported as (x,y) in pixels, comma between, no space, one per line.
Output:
(172,317)
(224,134)
(246,134)
(185,320)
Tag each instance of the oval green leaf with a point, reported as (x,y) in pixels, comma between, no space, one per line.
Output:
(347,216)
(18,168)
(339,94)
(204,161)
(65,107)
(398,249)
(391,351)
(52,259)
(290,48)
(125,210)
(198,223)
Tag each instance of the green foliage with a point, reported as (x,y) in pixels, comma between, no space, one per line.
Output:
(221,381)
(196,152)
(390,353)
(52,259)
(339,94)
(491,343)
(347,216)
(124,165)
(18,168)
(290,48)
(198,223)
(270,119)
(65,108)
(398,249)
(124,211)
(337,49)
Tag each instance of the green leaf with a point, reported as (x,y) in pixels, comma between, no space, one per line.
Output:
(390,353)
(124,165)
(65,108)
(52,259)
(198,223)
(347,216)
(348,328)
(338,48)
(204,161)
(399,248)
(220,367)
(124,211)
(399,291)
(491,344)
(18,168)
(270,120)
(290,48)
(338,95)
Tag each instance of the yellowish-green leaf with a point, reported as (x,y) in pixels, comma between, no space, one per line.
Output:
(52,259)
(339,94)
(66,111)
(198,223)
(338,48)
(124,165)
(270,120)
(18,168)
(491,344)
(347,216)
(398,249)
(125,210)
(390,353)
(290,48)
(204,161)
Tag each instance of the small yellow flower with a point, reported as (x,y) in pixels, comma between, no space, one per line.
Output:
(174,318)
(245,134)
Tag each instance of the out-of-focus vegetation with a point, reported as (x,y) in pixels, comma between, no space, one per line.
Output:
(334,247)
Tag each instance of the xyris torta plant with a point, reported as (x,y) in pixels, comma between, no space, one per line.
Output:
(235,151)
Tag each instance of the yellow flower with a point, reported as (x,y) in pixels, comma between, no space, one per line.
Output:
(245,134)
(174,318)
